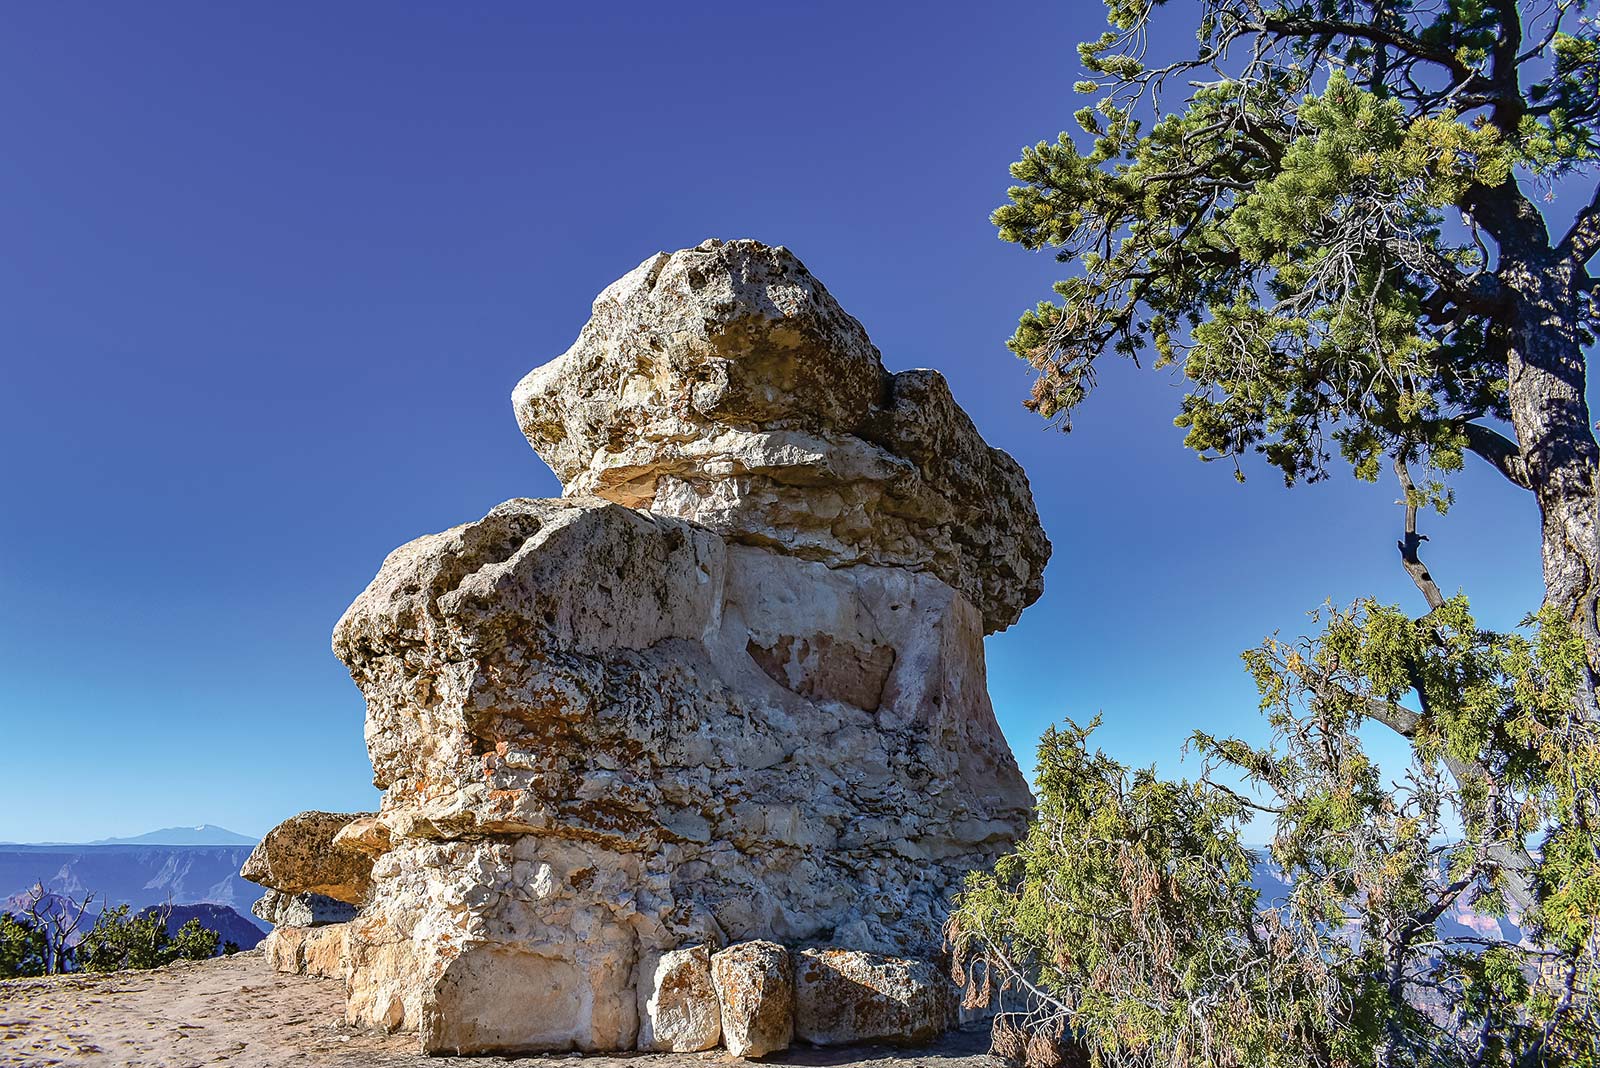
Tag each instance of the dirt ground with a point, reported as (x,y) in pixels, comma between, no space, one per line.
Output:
(237,1011)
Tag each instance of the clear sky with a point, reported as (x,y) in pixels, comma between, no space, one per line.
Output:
(269,273)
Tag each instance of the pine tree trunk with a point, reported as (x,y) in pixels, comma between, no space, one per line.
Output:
(1551,416)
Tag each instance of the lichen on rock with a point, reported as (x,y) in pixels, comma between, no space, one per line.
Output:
(302,855)
(754,982)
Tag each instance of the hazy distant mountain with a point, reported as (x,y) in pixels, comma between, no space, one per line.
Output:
(204,835)
(137,875)
(207,834)
(1459,921)
(230,926)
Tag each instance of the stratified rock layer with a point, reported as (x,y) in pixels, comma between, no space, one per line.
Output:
(746,705)
(724,384)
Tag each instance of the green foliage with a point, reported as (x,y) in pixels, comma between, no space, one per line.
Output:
(1129,905)
(1320,216)
(23,947)
(1281,232)
(119,941)
(1128,913)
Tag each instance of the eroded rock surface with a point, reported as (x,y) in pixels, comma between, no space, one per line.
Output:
(299,856)
(724,384)
(728,689)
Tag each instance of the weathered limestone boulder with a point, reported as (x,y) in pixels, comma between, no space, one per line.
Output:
(724,384)
(321,952)
(728,689)
(678,1007)
(846,996)
(302,910)
(299,856)
(755,995)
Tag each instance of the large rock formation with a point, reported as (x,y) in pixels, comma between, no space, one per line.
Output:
(730,687)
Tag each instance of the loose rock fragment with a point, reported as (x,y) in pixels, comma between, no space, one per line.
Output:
(678,1008)
(756,996)
(843,997)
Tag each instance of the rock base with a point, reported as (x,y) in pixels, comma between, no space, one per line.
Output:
(322,952)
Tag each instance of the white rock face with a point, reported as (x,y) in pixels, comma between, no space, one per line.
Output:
(724,384)
(678,1010)
(607,734)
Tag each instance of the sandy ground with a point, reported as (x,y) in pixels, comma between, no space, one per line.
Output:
(237,1011)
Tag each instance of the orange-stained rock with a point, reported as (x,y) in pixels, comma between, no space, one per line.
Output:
(756,997)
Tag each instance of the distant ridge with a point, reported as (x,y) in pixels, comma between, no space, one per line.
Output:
(206,834)
(136,871)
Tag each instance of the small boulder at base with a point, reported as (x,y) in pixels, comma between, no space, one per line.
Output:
(678,1010)
(755,994)
(320,952)
(299,856)
(844,996)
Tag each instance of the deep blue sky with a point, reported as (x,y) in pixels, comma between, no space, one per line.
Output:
(270,273)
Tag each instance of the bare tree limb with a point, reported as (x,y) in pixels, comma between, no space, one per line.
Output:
(1501,452)
(1412,540)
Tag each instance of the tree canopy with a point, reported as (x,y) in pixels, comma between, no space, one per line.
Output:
(1327,215)
(1322,232)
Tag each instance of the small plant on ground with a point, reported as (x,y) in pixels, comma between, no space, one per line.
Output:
(120,941)
(24,949)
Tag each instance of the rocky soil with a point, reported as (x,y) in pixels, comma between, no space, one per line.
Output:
(237,1011)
